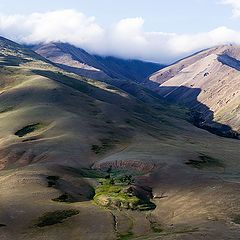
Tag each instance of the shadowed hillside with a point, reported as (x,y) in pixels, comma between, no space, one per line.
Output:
(200,114)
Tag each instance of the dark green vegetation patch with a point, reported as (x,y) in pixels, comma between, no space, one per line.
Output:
(29,129)
(126,236)
(236,219)
(51,218)
(67,198)
(117,191)
(106,144)
(205,161)
(115,196)
(52,180)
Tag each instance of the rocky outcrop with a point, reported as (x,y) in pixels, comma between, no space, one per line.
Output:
(130,164)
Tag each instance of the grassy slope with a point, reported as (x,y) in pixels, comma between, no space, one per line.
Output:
(76,114)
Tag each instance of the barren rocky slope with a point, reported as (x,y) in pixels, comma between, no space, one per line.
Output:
(75,151)
(208,82)
(79,61)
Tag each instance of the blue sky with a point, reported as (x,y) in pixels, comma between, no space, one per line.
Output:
(153,30)
(185,16)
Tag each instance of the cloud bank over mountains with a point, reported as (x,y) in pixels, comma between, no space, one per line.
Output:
(126,38)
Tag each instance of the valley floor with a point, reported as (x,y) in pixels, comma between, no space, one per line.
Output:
(191,202)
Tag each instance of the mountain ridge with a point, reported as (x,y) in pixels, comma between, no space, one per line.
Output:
(212,70)
(83,63)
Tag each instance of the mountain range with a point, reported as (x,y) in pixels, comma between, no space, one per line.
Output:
(191,82)
(77,60)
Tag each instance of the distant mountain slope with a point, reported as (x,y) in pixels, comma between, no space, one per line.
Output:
(81,62)
(212,77)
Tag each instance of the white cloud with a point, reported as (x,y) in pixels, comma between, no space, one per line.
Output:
(126,39)
(235,6)
(65,25)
